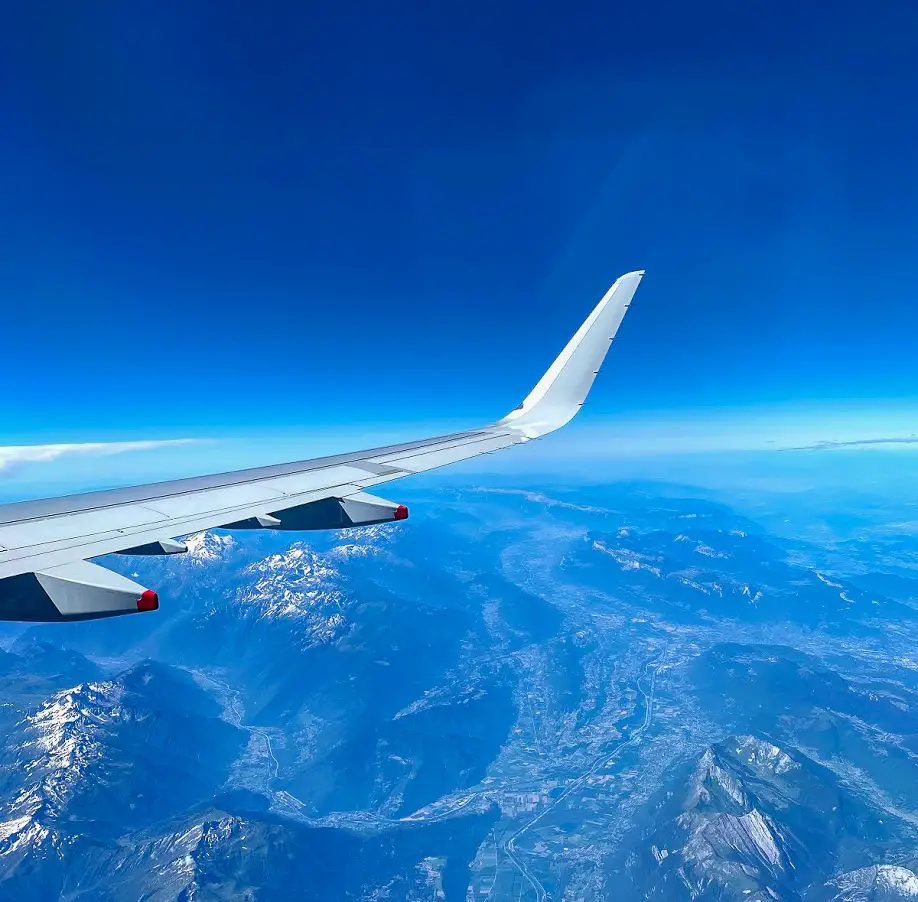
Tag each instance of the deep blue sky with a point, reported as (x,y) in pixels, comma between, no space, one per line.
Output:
(227,217)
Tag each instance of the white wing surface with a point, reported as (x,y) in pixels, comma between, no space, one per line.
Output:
(45,545)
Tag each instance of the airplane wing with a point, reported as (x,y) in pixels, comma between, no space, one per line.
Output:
(45,574)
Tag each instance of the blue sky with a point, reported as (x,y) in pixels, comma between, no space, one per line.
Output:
(237,220)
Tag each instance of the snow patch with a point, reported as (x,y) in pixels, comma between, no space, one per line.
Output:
(207,546)
(763,754)
(886,881)
(627,559)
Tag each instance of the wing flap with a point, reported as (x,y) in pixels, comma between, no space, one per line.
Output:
(81,546)
(197,503)
(54,529)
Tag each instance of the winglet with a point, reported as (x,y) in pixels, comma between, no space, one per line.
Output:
(560,393)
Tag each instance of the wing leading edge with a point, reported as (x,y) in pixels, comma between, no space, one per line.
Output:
(45,544)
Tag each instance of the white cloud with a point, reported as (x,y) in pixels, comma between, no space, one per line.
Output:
(13,455)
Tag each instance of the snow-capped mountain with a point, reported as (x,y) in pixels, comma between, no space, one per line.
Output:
(296,584)
(101,757)
(750,820)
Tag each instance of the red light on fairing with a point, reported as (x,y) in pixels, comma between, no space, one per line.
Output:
(149,601)
(401,512)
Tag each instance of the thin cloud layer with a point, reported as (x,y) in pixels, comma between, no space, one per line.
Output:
(859,443)
(14,455)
